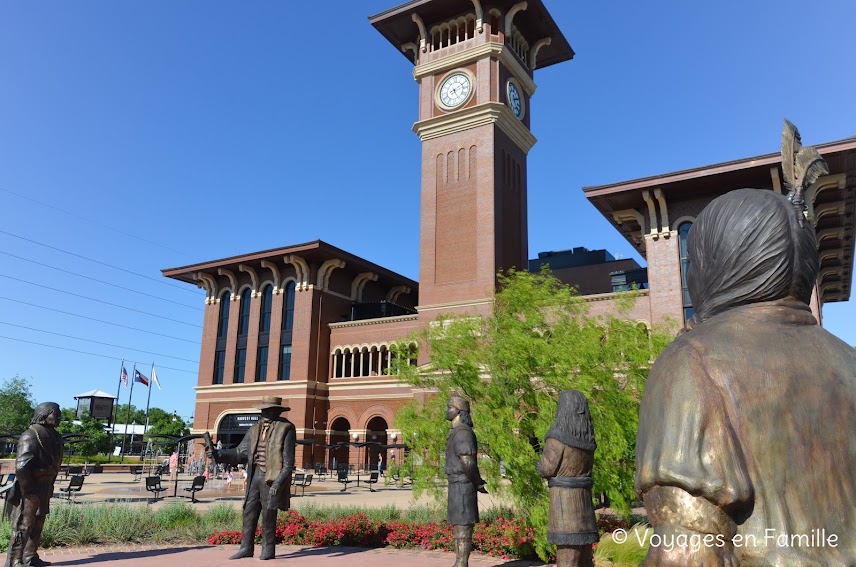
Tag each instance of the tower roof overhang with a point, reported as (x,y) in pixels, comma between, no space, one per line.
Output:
(398,27)
(312,254)
(831,204)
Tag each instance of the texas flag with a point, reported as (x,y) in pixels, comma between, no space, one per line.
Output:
(138,377)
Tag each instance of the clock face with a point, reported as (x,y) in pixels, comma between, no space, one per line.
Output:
(514,100)
(455,90)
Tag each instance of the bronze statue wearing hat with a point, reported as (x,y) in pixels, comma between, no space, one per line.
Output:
(462,471)
(36,467)
(268,451)
(567,462)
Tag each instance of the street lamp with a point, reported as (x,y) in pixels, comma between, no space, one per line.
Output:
(356,436)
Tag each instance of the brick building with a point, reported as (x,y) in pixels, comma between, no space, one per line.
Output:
(316,325)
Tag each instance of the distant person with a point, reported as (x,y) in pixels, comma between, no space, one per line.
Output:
(379,464)
(173,465)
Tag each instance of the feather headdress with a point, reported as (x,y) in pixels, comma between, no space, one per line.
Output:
(800,168)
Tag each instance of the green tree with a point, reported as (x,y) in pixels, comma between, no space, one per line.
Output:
(163,423)
(16,405)
(537,341)
(138,416)
(95,439)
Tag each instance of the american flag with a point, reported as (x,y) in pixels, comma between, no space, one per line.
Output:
(138,377)
(124,376)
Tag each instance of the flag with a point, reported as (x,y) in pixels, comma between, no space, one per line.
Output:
(155,378)
(124,376)
(138,377)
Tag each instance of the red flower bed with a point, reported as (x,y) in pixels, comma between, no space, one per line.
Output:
(505,538)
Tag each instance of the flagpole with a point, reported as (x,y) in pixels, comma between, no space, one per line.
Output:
(149,400)
(115,411)
(128,414)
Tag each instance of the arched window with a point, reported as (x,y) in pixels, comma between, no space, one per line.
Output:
(244,313)
(243,330)
(267,301)
(683,232)
(223,321)
(285,337)
(264,334)
(222,333)
(288,307)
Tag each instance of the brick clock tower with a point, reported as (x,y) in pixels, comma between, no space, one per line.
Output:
(474,63)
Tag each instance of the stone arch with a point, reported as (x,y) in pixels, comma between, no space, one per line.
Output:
(340,427)
(682,220)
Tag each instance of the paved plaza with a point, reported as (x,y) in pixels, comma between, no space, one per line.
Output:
(293,556)
(123,488)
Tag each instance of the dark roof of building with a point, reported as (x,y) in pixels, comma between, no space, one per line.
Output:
(834,227)
(397,26)
(315,251)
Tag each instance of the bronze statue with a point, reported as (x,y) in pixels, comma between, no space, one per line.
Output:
(747,436)
(36,467)
(462,472)
(567,462)
(268,451)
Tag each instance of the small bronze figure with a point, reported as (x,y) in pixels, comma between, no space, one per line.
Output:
(462,472)
(36,468)
(745,452)
(566,463)
(268,451)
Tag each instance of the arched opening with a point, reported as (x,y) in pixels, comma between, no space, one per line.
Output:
(376,438)
(340,453)
(233,427)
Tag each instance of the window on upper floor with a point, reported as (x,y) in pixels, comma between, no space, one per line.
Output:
(244,313)
(285,363)
(223,321)
(219,366)
(288,307)
(683,232)
(262,364)
(267,303)
(240,365)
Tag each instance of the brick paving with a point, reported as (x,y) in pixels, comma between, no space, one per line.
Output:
(218,556)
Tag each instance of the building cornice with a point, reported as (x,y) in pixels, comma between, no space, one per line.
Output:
(452,305)
(612,295)
(379,321)
(252,386)
(481,115)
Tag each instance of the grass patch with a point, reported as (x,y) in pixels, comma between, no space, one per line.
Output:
(627,554)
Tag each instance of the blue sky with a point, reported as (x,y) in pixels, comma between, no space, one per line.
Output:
(147,135)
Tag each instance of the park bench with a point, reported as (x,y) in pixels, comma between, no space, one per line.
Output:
(301,480)
(75,485)
(153,485)
(343,478)
(372,480)
(197,485)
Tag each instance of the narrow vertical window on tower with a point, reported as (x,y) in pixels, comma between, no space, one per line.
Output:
(222,334)
(683,231)
(243,331)
(264,333)
(284,372)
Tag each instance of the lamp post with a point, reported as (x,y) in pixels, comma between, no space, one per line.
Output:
(356,436)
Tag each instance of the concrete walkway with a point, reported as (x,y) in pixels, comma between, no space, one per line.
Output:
(121,487)
(292,556)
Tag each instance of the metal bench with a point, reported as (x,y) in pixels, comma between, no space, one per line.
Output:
(198,484)
(74,486)
(153,485)
(372,480)
(301,480)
